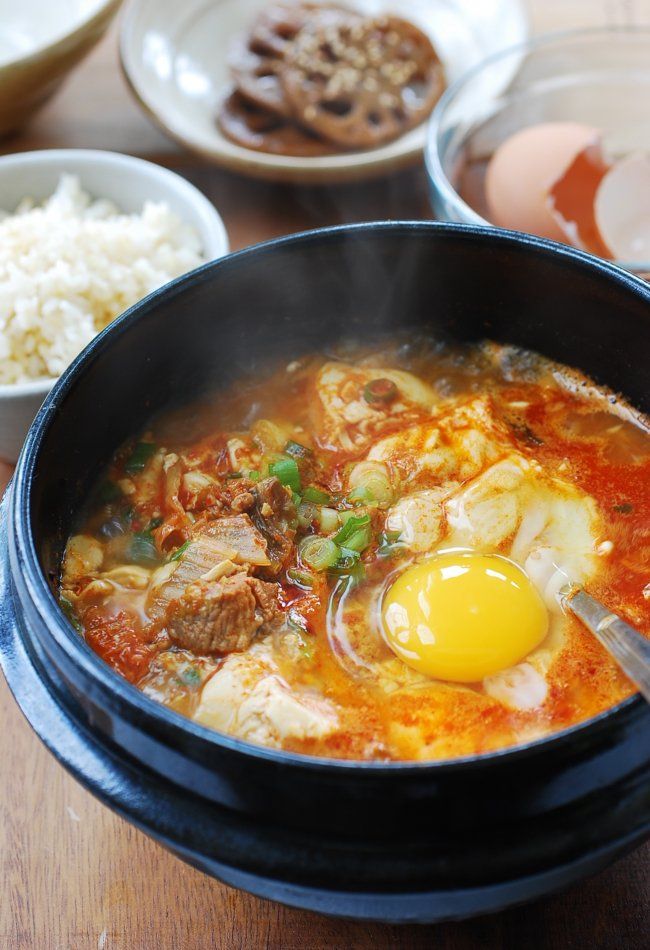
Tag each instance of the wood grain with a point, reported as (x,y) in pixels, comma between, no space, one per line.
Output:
(74,876)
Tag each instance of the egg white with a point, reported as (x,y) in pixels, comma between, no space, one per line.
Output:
(507,505)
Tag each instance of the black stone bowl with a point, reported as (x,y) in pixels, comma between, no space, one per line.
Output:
(395,842)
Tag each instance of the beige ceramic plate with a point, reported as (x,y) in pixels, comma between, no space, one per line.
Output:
(174,56)
(40,42)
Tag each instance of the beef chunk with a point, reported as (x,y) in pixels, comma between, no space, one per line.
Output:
(224,615)
(210,603)
(233,538)
(275,516)
(244,501)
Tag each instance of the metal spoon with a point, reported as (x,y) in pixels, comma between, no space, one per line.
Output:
(629,648)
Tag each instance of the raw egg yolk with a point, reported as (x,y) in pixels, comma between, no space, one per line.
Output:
(461,616)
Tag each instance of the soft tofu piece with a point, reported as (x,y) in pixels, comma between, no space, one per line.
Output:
(414,452)
(557,539)
(457,444)
(248,698)
(546,525)
(487,510)
(341,417)
(419,518)
(519,687)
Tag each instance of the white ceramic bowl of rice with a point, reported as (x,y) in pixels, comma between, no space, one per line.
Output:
(83,235)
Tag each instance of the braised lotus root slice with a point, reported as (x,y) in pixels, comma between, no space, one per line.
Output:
(256,60)
(253,127)
(360,84)
(256,75)
(277,26)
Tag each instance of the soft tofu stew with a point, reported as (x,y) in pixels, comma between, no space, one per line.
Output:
(361,556)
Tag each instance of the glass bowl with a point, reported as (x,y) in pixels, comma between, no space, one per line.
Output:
(600,77)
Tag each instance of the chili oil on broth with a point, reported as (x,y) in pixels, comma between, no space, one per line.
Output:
(486,449)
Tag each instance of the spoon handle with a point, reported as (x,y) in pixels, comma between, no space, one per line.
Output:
(627,645)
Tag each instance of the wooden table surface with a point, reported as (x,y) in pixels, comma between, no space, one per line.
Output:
(74,876)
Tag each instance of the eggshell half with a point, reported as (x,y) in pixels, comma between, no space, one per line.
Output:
(524,167)
(622,209)
(571,200)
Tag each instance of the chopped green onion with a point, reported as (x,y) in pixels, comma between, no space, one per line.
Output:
(254,475)
(350,527)
(374,478)
(304,578)
(234,474)
(68,610)
(306,514)
(286,470)
(346,514)
(319,553)
(360,495)
(347,559)
(379,391)
(139,457)
(190,676)
(357,574)
(360,540)
(142,549)
(389,544)
(179,552)
(350,575)
(296,450)
(316,496)
(392,536)
(328,519)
